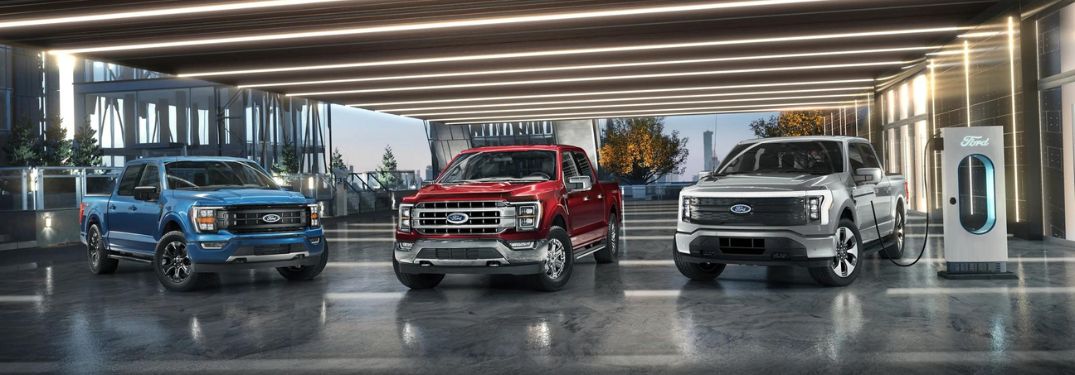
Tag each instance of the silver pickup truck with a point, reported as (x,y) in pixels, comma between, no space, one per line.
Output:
(806,201)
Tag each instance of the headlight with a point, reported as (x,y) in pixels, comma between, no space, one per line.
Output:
(208,219)
(315,210)
(685,202)
(526,216)
(405,217)
(813,207)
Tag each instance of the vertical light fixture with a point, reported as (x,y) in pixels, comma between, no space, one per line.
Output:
(933,128)
(65,65)
(1015,143)
(966,95)
(856,117)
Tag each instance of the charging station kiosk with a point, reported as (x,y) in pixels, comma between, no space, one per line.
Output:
(975,217)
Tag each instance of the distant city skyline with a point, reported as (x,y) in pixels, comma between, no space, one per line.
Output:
(362,135)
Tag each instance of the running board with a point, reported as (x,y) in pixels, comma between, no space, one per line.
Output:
(590,251)
(127,257)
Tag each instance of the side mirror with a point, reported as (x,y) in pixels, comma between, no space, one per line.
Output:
(868,175)
(146,193)
(579,183)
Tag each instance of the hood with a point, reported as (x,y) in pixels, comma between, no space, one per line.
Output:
(229,197)
(485,190)
(765,183)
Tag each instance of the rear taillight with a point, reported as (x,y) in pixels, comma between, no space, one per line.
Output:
(81,212)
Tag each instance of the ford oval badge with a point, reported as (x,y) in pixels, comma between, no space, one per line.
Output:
(741,209)
(457,218)
(270,218)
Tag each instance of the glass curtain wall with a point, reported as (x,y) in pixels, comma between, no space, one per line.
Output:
(1056,105)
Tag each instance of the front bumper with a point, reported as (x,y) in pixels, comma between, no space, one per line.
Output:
(755,246)
(256,250)
(470,256)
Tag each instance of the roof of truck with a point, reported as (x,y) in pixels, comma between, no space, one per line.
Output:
(168,159)
(522,148)
(838,138)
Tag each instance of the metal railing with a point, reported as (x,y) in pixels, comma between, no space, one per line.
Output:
(42,188)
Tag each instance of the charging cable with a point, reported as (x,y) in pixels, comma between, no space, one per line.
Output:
(925,238)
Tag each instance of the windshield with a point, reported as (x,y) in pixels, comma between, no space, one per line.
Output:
(814,157)
(503,166)
(216,174)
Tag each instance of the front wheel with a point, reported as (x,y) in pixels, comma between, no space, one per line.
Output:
(417,280)
(304,273)
(697,271)
(172,264)
(612,242)
(842,268)
(559,262)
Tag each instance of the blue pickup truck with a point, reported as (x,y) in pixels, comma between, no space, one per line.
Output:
(192,216)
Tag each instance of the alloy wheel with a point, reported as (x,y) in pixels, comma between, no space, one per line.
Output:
(93,244)
(557,258)
(174,262)
(613,238)
(899,231)
(847,253)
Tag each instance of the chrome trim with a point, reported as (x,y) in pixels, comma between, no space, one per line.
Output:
(267,258)
(590,251)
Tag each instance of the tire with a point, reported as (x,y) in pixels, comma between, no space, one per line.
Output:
(611,252)
(172,264)
(897,240)
(97,253)
(306,273)
(417,280)
(844,267)
(696,271)
(559,262)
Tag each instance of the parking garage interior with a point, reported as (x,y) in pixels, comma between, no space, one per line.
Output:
(250,79)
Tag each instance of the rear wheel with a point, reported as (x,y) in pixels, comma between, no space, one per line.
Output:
(97,254)
(304,273)
(696,271)
(611,252)
(844,267)
(559,262)
(896,240)
(173,266)
(417,280)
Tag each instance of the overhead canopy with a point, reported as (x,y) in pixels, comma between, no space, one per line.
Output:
(494,60)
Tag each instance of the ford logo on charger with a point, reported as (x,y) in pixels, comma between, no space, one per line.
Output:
(457,218)
(741,209)
(270,218)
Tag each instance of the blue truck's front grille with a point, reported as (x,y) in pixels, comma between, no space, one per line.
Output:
(252,219)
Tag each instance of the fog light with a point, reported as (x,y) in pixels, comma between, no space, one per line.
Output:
(519,245)
(213,245)
(315,240)
(405,246)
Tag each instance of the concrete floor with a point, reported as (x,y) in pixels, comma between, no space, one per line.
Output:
(637,316)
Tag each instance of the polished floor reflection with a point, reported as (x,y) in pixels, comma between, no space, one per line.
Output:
(636,316)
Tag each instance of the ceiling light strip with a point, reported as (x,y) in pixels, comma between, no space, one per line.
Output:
(564,52)
(624,99)
(493,21)
(645,114)
(651,104)
(591,113)
(225,7)
(598,78)
(616,92)
(583,67)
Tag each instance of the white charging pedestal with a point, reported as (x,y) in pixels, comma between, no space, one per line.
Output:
(975,218)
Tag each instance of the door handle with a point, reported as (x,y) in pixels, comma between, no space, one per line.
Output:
(586,198)
(133,208)
(112,207)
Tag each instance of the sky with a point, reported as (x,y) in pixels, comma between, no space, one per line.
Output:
(361,136)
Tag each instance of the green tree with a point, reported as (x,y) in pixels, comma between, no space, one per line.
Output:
(22,148)
(789,124)
(386,172)
(288,161)
(638,151)
(86,152)
(337,160)
(55,147)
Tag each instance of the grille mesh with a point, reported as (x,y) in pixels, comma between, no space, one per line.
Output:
(764,211)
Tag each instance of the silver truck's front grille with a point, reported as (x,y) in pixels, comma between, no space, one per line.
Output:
(482,217)
(764,211)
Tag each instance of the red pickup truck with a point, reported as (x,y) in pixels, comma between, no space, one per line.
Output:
(518,210)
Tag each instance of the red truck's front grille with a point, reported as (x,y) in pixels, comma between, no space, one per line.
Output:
(482,217)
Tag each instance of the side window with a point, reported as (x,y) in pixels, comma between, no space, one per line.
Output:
(854,155)
(130,179)
(568,166)
(151,177)
(583,164)
(869,157)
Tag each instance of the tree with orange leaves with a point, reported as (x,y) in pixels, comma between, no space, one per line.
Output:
(637,150)
(790,124)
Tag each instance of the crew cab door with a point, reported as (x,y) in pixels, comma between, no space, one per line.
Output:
(121,225)
(146,212)
(869,194)
(584,203)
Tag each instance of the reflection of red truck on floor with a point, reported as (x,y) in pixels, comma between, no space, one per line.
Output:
(519,210)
